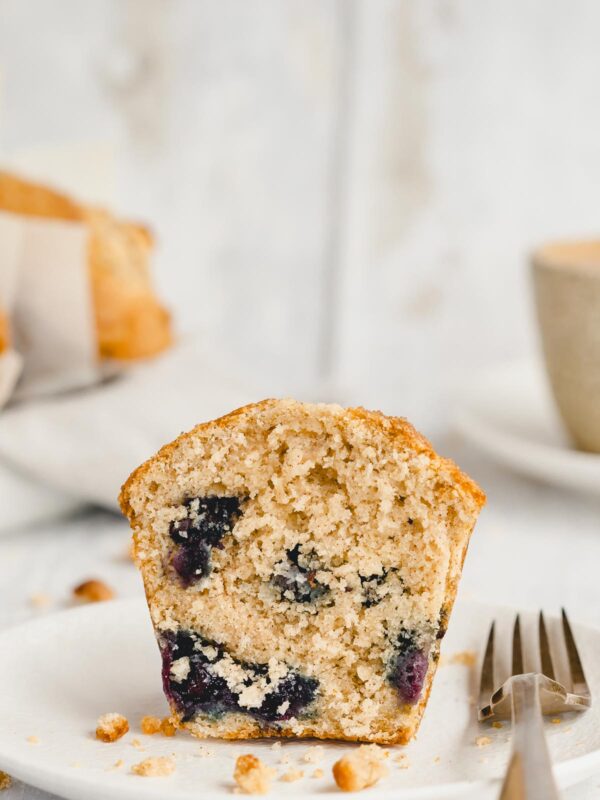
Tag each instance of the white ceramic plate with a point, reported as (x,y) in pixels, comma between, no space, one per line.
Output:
(60,672)
(509,414)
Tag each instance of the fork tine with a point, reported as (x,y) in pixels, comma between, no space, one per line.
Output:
(517,651)
(580,685)
(486,683)
(545,652)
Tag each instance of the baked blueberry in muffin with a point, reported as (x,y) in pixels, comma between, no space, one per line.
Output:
(300,563)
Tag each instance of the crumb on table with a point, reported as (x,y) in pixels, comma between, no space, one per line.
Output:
(5,781)
(111,727)
(93,591)
(154,767)
(483,741)
(362,768)
(252,775)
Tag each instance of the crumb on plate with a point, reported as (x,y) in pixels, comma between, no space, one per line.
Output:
(93,591)
(33,740)
(292,776)
(151,725)
(465,658)
(483,741)
(313,755)
(5,781)
(318,773)
(556,720)
(497,724)
(111,727)
(362,768)
(40,600)
(251,775)
(154,767)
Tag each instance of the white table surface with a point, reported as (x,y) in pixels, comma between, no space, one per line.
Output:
(534,546)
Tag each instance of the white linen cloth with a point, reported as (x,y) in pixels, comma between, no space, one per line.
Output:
(79,447)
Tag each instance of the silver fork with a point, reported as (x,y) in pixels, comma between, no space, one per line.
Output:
(525,697)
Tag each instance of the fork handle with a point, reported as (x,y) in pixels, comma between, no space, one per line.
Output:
(529,776)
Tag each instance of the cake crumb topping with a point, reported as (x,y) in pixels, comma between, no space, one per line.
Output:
(253,776)
(93,591)
(111,727)
(362,768)
(154,767)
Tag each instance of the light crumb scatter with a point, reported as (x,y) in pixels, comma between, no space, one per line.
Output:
(154,767)
(118,763)
(285,759)
(33,740)
(314,755)
(363,768)
(205,752)
(497,724)
(137,744)
(252,776)
(40,600)
(437,760)
(402,761)
(111,727)
(93,591)
(483,741)
(556,720)
(318,773)
(5,781)
(292,776)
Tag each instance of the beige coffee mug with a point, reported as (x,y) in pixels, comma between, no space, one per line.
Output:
(566,278)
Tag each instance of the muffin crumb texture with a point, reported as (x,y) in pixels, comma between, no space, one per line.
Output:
(300,563)
(154,767)
(111,727)
(363,768)
(252,776)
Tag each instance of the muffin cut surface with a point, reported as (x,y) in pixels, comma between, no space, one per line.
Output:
(300,563)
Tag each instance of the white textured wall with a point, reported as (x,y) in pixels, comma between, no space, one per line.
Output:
(342,188)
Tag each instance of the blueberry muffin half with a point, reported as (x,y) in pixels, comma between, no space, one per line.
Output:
(300,563)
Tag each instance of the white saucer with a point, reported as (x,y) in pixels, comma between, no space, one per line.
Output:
(509,414)
(60,672)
